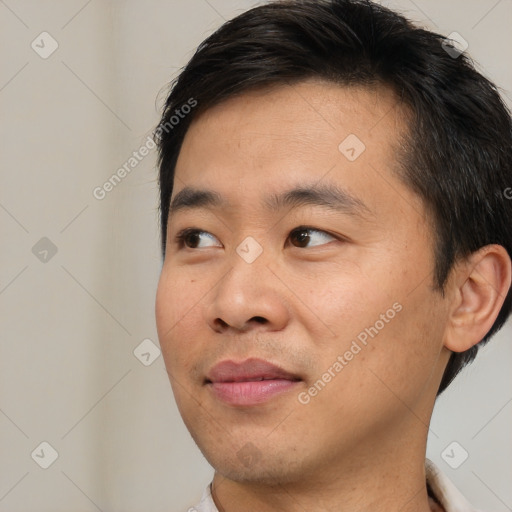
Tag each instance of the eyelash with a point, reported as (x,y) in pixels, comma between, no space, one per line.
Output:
(183,234)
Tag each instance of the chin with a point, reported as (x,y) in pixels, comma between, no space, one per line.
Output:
(256,466)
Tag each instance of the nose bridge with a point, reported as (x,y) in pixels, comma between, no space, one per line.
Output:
(248,292)
(248,264)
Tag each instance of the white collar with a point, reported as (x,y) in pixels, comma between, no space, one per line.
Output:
(445,492)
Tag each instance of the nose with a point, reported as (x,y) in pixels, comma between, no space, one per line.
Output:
(248,297)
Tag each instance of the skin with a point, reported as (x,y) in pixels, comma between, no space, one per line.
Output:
(360,443)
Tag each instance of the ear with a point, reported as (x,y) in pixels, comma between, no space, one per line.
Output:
(480,285)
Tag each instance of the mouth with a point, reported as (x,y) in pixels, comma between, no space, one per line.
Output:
(250,382)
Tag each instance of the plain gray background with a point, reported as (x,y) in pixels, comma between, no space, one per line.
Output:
(77,304)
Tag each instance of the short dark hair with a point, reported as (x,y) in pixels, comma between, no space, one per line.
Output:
(458,154)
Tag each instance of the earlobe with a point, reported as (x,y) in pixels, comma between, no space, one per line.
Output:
(482,282)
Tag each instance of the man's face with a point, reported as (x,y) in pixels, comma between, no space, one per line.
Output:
(332,284)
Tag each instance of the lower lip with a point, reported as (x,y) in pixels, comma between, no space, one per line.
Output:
(250,393)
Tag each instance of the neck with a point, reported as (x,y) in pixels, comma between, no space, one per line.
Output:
(383,476)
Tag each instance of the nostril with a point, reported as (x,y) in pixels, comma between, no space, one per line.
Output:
(221,323)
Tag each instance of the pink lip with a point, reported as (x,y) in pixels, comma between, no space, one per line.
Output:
(250,382)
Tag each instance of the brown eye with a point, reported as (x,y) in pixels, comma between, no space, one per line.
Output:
(191,239)
(305,236)
(302,237)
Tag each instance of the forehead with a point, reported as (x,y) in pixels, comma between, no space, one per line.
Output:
(305,132)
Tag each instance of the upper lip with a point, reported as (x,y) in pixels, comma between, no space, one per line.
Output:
(249,370)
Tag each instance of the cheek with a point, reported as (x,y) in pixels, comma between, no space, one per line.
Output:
(176,299)
(349,300)
(407,348)
(374,306)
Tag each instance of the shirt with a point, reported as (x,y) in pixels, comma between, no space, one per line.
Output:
(445,497)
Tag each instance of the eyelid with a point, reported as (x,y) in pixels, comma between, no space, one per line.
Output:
(311,228)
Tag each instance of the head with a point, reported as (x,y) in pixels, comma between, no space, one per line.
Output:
(344,156)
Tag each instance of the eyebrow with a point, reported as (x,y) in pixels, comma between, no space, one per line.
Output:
(325,195)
